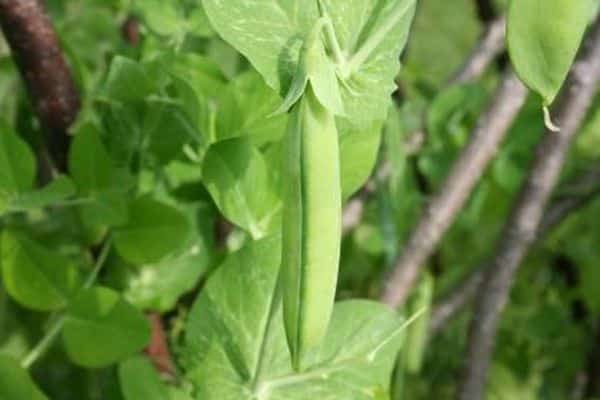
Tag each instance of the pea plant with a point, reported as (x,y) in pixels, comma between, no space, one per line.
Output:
(208,199)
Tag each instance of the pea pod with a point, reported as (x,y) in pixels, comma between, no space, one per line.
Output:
(416,335)
(311,223)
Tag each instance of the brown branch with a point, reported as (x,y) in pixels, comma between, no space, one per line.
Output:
(562,208)
(520,230)
(158,350)
(37,53)
(487,50)
(439,214)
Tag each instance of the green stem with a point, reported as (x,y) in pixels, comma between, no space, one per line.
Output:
(45,343)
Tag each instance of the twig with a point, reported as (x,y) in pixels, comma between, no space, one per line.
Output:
(485,10)
(158,350)
(439,214)
(488,49)
(563,207)
(520,230)
(37,53)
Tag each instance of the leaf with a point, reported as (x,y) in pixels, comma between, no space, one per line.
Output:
(36,277)
(17,166)
(127,81)
(543,39)
(15,382)
(139,380)
(158,286)
(371,35)
(236,175)
(153,231)
(101,328)
(97,179)
(358,154)
(237,346)
(249,111)
(162,17)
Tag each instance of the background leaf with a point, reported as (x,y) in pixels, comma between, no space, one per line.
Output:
(101,328)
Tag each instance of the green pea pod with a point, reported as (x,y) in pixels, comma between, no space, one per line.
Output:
(416,336)
(311,223)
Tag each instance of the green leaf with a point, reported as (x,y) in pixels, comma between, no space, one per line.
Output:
(158,286)
(36,277)
(162,17)
(249,111)
(17,166)
(271,34)
(127,81)
(101,328)
(358,154)
(169,129)
(97,179)
(153,231)
(236,175)
(237,346)
(139,380)
(15,382)
(543,39)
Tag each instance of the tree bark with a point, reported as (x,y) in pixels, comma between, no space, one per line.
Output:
(36,51)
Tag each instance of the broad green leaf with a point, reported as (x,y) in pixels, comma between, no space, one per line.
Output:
(162,17)
(237,346)
(97,179)
(158,286)
(101,328)
(34,276)
(169,129)
(370,34)
(17,166)
(139,380)
(249,111)
(15,382)
(153,231)
(358,154)
(128,81)
(543,39)
(236,175)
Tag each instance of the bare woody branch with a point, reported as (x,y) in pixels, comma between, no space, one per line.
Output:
(441,211)
(520,230)
(37,53)
(488,48)
(562,207)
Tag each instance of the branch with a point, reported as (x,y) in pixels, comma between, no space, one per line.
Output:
(36,51)
(520,230)
(439,214)
(158,350)
(562,208)
(488,49)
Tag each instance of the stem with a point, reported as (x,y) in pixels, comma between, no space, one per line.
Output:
(45,343)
